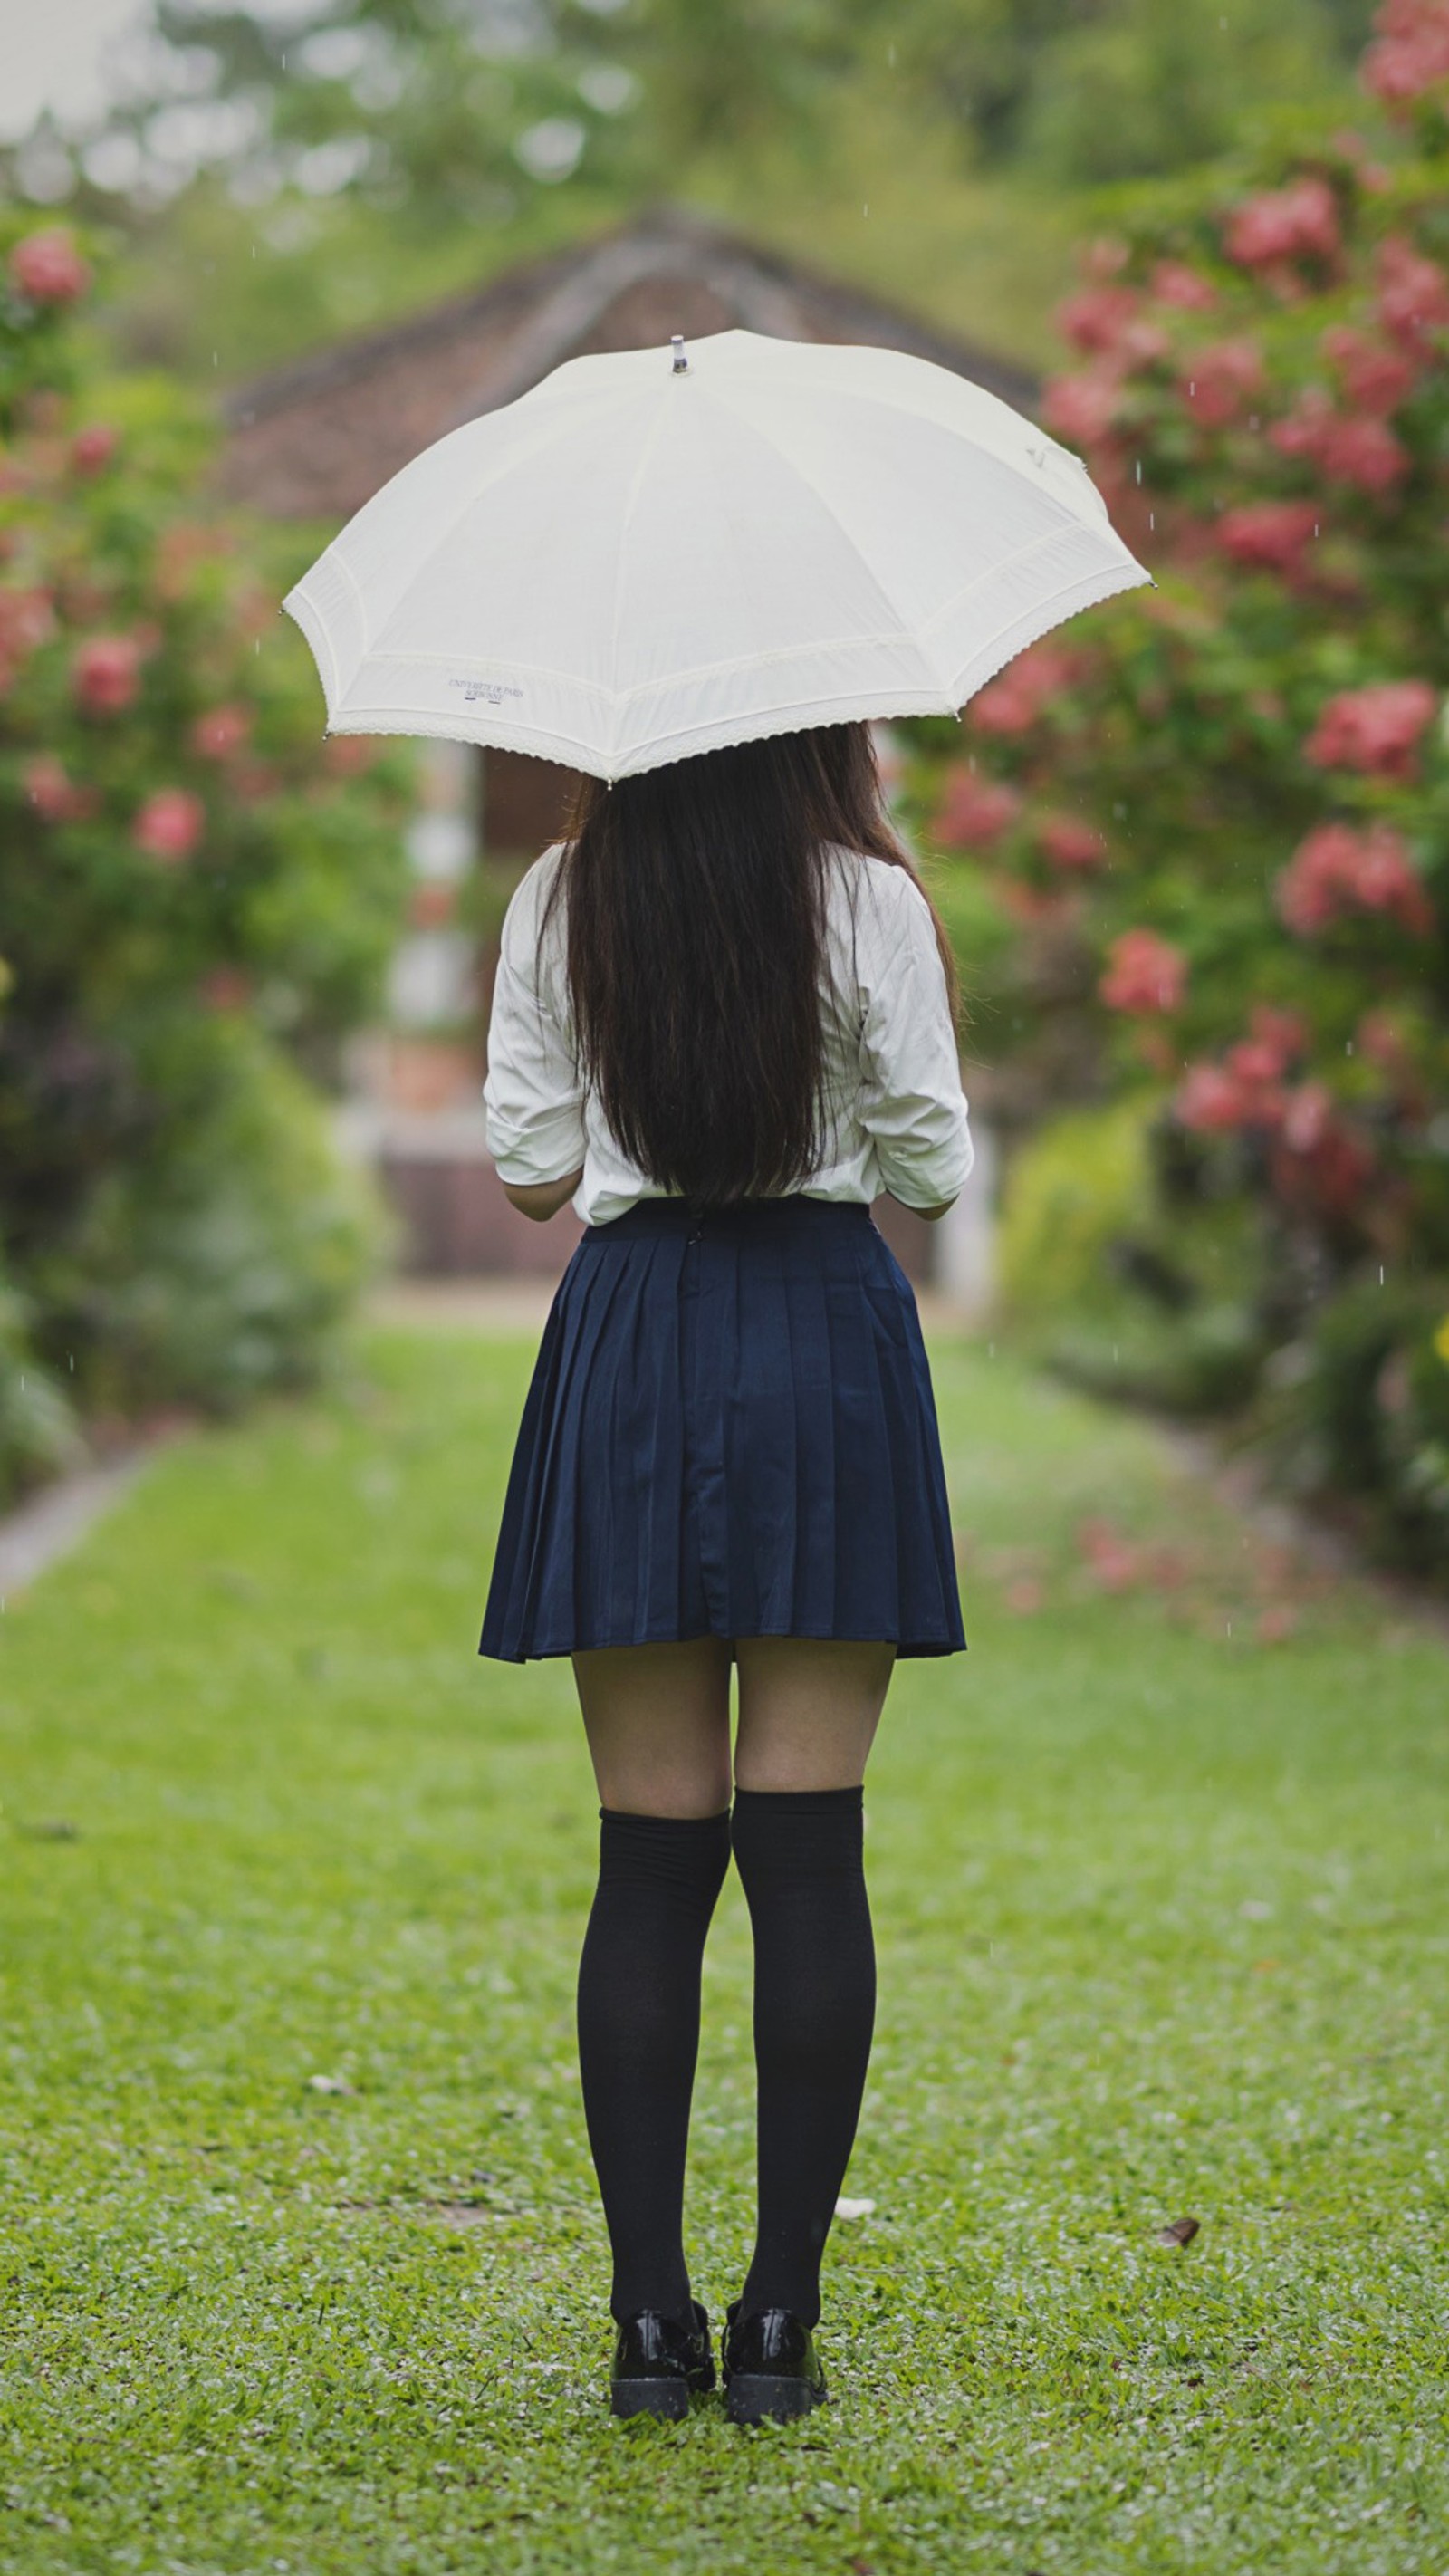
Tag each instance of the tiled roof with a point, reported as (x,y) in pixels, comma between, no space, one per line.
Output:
(315,439)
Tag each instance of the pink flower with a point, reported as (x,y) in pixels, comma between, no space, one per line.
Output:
(974,812)
(169,824)
(1364,453)
(1308,1118)
(1254,1064)
(1173,282)
(1374,378)
(1069,842)
(1337,871)
(1376,728)
(1413,292)
(1210,1102)
(1218,378)
(1269,536)
(1108,322)
(48,269)
(92,448)
(1359,451)
(1296,222)
(1094,316)
(1246,1089)
(1144,973)
(1081,407)
(27,620)
(49,790)
(1019,695)
(347,755)
(1409,52)
(106,673)
(221,731)
(1318,1164)
(1282,1035)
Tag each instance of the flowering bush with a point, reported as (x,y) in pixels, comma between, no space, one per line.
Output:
(1256,754)
(190,891)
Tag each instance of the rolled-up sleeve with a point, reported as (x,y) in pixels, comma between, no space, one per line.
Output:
(532,1099)
(912,1104)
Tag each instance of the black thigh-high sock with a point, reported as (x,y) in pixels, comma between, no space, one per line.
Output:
(800,1856)
(639,1979)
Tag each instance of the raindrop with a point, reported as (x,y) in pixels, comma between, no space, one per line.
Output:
(865,210)
(1152,518)
(890,57)
(1139,469)
(1381,1274)
(1348,1046)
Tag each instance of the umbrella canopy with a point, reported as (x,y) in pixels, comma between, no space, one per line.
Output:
(650,555)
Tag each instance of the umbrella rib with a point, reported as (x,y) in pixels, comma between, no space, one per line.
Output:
(498,468)
(899,632)
(647,446)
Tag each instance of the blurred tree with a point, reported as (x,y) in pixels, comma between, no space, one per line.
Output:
(462,109)
(197,901)
(1218,814)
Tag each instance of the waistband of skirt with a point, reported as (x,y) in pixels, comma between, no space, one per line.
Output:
(788,1214)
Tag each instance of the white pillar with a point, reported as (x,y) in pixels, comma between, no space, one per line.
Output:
(965,1269)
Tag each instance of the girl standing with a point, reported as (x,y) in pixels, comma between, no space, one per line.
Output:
(723,1024)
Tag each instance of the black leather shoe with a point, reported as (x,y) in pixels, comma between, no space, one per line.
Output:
(660,2364)
(771,2369)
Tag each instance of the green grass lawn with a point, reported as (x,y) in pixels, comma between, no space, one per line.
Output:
(301,2265)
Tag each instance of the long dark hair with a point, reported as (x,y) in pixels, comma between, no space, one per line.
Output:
(695,905)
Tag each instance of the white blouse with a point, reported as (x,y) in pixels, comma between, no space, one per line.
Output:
(895,1114)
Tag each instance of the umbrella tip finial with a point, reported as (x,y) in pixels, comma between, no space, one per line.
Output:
(681,363)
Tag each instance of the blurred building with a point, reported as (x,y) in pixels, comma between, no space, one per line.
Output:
(313,441)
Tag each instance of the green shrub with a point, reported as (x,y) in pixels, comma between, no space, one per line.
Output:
(1078,1188)
(1112,1291)
(215,1263)
(1358,1409)
(38,1430)
(198,896)
(1229,792)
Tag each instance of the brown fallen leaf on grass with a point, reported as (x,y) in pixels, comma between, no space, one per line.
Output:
(1180,2231)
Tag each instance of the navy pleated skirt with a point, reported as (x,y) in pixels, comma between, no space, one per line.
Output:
(731,1433)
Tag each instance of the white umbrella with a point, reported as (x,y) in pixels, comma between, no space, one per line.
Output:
(648,556)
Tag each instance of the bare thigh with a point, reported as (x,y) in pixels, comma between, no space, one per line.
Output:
(657,1719)
(809,1709)
(658,1723)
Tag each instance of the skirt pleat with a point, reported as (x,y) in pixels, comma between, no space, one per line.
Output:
(730,1432)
